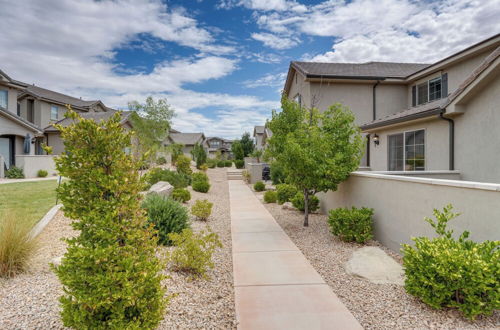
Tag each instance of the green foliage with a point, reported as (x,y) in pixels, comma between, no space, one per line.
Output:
(211,163)
(177,180)
(247,144)
(239,163)
(176,151)
(166,215)
(351,225)
(194,251)
(277,173)
(221,163)
(259,186)
(200,182)
(270,196)
(151,122)
(199,155)
(228,163)
(14,173)
(16,244)
(316,150)
(257,153)
(202,209)
(446,272)
(110,272)
(183,165)
(298,202)
(161,160)
(42,173)
(203,167)
(181,195)
(237,150)
(285,192)
(246,176)
(218,155)
(199,176)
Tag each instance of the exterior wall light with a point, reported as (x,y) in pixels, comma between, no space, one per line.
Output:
(376,140)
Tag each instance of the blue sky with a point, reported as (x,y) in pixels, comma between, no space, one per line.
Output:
(221,63)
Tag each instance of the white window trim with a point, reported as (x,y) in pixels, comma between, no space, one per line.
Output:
(428,90)
(57,114)
(404,150)
(6,98)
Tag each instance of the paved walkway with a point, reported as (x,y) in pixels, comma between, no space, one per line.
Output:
(275,285)
(5,181)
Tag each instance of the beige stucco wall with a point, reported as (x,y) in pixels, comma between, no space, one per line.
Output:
(436,145)
(401,203)
(259,144)
(54,140)
(11,98)
(31,164)
(299,85)
(44,113)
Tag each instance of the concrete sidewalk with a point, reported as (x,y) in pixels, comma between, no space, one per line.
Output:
(275,285)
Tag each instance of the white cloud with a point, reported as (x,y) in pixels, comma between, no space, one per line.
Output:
(264,5)
(276,41)
(268,80)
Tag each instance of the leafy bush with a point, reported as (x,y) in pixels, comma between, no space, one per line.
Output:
(161,160)
(277,174)
(199,176)
(178,180)
(201,186)
(16,244)
(181,195)
(199,155)
(203,167)
(194,251)
(246,176)
(239,163)
(259,186)
(183,165)
(14,173)
(42,173)
(202,209)
(445,272)
(110,272)
(285,192)
(228,163)
(221,163)
(270,196)
(351,225)
(211,163)
(167,216)
(298,202)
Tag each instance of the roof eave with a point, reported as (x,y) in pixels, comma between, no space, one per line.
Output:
(420,115)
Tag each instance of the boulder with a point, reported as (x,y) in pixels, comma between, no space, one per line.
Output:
(56,261)
(162,188)
(373,264)
(288,206)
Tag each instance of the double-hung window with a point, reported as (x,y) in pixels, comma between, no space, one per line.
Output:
(407,151)
(298,99)
(54,112)
(430,90)
(4,96)
(435,89)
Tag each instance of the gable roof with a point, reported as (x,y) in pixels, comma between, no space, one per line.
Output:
(96,116)
(51,96)
(20,121)
(258,130)
(187,138)
(11,82)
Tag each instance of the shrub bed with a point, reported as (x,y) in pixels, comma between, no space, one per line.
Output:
(42,173)
(183,165)
(228,163)
(285,192)
(351,225)
(270,196)
(239,163)
(200,182)
(181,195)
(14,173)
(177,180)
(259,186)
(298,202)
(221,163)
(202,209)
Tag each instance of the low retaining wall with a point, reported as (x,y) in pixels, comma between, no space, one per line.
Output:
(249,160)
(402,202)
(255,171)
(32,163)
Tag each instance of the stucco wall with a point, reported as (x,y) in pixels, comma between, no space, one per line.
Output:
(299,85)
(32,164)
(259,141)
(255,171)
(436,145)
(43,108)
(54,140)
(401,203)
(11,98)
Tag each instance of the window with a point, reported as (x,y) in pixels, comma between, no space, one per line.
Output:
(3,99)
(298,99)
(54,110)
(435,89)
(430,90)
(18,109)
(423,93)
(31,111)
(407,151)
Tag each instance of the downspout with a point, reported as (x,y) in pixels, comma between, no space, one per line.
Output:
(451,139)
(375,100)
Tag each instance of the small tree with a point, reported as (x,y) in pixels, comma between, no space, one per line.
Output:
(257,153)
(175,150)
(317,150)
(199,155)
(110,273)
(247,144)
(237,150)
(151,121)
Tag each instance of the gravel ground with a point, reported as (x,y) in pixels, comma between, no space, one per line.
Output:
(376,306)
(30,300)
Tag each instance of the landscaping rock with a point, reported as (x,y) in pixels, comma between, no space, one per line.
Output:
(270,187)
(373,264)
(288,206)
(162,188)
(56,261)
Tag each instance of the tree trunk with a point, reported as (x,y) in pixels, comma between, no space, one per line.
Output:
(306,208)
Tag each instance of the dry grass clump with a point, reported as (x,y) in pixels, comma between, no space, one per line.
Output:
(16,244)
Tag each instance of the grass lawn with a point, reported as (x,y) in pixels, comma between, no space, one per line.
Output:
(33,199)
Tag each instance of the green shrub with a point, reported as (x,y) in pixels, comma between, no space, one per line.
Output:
(221,163)
(202,209)
(203,167)
(181,195)
(193,252)
(161,160)
(201,186)
(228,163)
(298,202)
(259,186)
(351,225)
(246,176)
(239,163)
(183,165)
(277,174)
(270,196)
(167,216)
(178,180)
(285,192)
(446,272)
(16,244)
(42,173)
(211,163)
(14,173)
(110,272)
(199,176)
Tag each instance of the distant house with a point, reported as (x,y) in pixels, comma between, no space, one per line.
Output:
(222,145)
(187,140)
(258,135)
